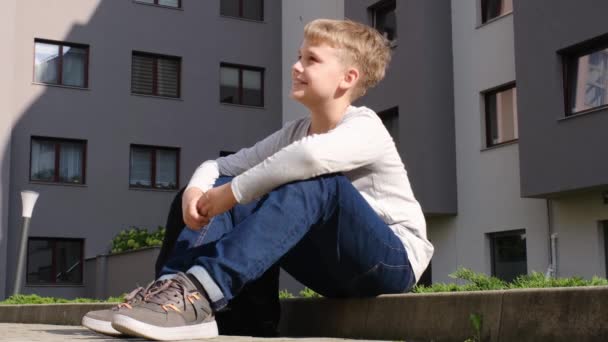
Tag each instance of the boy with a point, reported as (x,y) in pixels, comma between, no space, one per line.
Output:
(326,197)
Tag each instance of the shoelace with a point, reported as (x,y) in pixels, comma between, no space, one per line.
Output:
(170,293)
(138,293)
(158,286)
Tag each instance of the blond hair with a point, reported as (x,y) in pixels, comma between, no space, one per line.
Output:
(363,46)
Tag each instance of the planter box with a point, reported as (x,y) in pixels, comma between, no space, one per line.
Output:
(554,314)
(115,274)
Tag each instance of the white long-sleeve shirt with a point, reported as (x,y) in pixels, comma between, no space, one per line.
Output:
(360,147)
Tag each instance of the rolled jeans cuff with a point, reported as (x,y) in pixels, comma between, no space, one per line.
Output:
(216,296)
(166,276)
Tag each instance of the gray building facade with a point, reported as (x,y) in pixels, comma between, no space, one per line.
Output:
(109,117)
(416,94)
(562,75)
(530,184)
(561,151)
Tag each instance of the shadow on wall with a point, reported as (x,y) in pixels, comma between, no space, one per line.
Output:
(107,119)
(98,112)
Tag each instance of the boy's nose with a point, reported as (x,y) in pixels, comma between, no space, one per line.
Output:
(297,67)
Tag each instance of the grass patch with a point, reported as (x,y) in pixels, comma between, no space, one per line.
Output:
(482,282)
(36,299)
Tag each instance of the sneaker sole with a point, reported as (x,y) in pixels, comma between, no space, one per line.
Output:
(133,327)
(103,327)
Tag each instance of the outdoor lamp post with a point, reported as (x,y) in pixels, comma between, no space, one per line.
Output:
(28,200)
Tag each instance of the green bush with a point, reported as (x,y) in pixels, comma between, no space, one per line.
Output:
(136,238)
(481,282)
(283,294)
(36,299)
(478,281)
(536,279)
(306,293)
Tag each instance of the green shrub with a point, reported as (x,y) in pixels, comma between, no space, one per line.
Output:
(283,294)
(36,299)
(306,293)
(437,287)
(481,282)
(536,280)
(136,238)
(478,281)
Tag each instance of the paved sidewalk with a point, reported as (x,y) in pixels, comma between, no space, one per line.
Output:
(59,333)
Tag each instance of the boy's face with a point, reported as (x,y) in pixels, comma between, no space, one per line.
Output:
(318,75)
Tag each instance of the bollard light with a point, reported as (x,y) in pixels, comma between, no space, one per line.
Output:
(28,201)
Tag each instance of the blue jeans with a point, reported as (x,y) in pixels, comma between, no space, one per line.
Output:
(320,230)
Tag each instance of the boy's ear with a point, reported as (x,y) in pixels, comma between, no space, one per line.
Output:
(351,76)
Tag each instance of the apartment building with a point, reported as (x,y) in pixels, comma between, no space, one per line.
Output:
(497,108)
(562,70)
(496,231)
(530,112)
(109,106)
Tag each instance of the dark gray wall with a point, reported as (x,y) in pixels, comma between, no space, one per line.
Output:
(110,118)
(420,82)
(557,155)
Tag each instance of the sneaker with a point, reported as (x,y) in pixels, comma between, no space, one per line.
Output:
(101,320)
(174,311)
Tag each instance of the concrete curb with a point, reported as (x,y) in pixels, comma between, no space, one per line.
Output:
(556,314)
(59,314)
(426,317)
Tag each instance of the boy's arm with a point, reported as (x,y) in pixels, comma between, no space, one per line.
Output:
(357,141)
(196,210)
(206,174)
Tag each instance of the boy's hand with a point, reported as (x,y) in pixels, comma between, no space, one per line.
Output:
(191,216)
(216,201)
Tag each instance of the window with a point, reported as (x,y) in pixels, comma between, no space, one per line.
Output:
(508,251)
(57,160)
(166,3)
(247,9)
(491,9)
(501,115)
(384,19)
(241,85)
(54,261)
(390,119)
(586,80)
(155,75)
(154,167)
(61,63)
